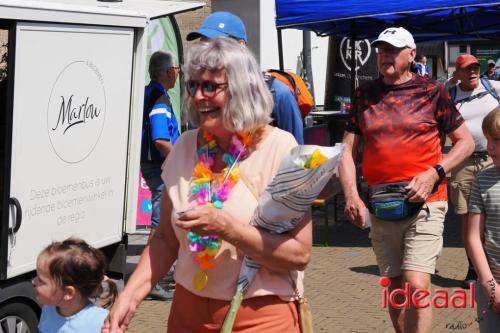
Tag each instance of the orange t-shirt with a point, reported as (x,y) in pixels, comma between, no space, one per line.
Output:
(402,127)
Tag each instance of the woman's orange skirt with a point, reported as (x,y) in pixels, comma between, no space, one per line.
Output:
(194,314)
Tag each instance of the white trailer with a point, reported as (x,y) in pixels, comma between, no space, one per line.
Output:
(70,133)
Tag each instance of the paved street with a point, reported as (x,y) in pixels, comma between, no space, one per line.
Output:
(342,285)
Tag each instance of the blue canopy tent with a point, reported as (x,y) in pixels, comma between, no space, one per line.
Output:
(427,20)
(360,19)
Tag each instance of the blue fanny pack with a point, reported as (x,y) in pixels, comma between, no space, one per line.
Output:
(389,202)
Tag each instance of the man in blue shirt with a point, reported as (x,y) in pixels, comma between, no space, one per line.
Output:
(159,132)
(422,67)
(286,111)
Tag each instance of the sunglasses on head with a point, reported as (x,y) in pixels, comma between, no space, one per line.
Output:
(208,88)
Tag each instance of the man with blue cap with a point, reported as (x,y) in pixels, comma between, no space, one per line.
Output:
(220,24)
(286,113)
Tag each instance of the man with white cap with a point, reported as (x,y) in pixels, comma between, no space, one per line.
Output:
(286,113)
(401,117)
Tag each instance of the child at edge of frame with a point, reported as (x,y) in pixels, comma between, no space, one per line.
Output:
(483,240)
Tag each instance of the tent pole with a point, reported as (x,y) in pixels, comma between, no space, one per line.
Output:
(353,60)
(446,65)
(280,49)
(306,59)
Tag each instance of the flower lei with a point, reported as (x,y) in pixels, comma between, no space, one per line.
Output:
(211,189)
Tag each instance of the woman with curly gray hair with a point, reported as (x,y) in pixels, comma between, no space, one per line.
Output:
(213,178)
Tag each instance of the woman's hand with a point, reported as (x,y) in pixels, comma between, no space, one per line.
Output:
(120,315)
(204,220)
(156,259)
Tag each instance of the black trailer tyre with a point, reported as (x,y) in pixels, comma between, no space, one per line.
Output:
(18,318)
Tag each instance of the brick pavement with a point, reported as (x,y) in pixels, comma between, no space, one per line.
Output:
(342,286)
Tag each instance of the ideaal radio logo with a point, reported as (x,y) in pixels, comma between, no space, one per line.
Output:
(76,111)
(403,298)
(400,298)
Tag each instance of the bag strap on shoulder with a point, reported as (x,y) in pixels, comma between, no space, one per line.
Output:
(453,93)
(489,88)
(249,185)
(288,77)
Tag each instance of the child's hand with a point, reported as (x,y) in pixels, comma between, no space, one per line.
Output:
(496,299)
(492,290)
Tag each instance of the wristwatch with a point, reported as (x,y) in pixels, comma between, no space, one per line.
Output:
(440,171)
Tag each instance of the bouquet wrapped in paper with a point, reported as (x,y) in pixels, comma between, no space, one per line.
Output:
(299,180)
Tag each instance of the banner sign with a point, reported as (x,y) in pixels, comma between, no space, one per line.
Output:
(144,206)
(339,80)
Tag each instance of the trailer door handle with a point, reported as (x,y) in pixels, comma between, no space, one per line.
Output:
(19,215)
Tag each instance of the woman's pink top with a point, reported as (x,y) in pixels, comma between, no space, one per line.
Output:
(259,169)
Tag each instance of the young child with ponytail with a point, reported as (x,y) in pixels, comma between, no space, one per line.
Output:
(69,274)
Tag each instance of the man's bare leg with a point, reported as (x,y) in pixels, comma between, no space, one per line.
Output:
(418,320)
(397,315)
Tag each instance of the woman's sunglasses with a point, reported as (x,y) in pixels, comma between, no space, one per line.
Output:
(208,88)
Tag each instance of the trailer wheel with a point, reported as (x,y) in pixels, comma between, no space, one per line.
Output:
(18,318)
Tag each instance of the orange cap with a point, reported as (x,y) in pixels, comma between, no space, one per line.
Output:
(465,60)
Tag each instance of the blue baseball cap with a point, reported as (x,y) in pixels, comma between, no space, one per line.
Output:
(220,24)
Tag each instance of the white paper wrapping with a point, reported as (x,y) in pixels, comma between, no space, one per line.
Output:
(293,188)
(289,195)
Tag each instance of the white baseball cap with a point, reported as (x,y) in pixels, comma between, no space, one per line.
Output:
(398,37)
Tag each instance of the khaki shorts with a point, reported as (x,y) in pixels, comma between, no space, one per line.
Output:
(409,245)
(461,182)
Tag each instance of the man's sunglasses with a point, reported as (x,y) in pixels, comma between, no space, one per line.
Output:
(208,88)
